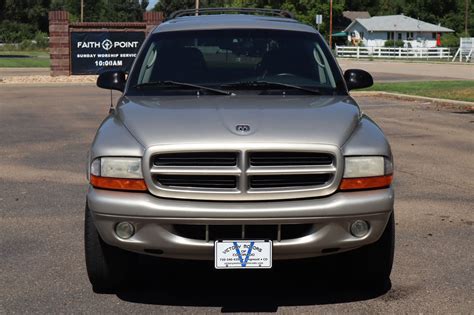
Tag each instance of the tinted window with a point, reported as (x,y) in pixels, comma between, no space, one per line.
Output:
(215,58)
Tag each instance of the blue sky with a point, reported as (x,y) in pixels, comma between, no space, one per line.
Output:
(152,4)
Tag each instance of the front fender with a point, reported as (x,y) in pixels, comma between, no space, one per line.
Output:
(367,139)
(113,139)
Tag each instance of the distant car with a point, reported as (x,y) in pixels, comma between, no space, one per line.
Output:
(236,141)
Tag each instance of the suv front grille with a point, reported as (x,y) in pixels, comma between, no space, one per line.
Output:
(254,172)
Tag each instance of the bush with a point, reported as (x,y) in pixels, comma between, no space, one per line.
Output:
(14,32)
(41,40)
(26,44)
(394,43)
(449,40)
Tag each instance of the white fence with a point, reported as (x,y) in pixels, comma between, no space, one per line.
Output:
(466,49)
(391,52)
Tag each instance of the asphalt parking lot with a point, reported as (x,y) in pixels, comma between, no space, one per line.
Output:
(45,132)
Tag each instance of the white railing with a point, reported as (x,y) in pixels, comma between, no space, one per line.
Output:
(463,53)
(466,49)
(393,52)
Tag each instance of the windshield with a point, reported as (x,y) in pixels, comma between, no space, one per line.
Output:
(235,60)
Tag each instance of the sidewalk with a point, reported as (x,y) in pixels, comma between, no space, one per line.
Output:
(9,72)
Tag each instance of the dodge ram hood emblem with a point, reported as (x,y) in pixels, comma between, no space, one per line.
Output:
(242,129)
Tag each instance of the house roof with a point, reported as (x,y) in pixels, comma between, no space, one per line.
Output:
(352,15)
(398,23)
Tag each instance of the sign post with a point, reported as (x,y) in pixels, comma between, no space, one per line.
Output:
(330,24)
(319,20)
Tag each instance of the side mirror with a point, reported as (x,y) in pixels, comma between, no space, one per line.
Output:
(358,79)
(112,80)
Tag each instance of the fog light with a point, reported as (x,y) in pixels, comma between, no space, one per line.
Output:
(359,228)
(124,230)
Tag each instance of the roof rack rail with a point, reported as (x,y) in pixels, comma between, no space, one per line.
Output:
(207,11)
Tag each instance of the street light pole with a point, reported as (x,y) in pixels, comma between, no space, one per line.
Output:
(197,7)
(465,16)
(82,10)
(330,24)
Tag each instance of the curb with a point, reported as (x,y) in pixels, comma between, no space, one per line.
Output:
(365,59)
(438,101)
(45,84)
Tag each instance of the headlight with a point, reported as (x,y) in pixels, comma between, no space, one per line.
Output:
(117,167)
(120,173)
(364,166)
(367,172)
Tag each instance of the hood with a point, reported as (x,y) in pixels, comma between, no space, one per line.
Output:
(283,119)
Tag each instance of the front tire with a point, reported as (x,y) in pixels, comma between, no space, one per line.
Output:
(375,260)
(108,267)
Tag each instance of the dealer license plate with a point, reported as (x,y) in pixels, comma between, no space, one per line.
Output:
(243,254)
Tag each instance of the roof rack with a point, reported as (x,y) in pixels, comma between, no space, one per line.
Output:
(208,11)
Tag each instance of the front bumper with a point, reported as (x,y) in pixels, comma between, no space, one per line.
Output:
(154,217)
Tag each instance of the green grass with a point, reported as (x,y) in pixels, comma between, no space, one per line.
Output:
(38,58)
(452,90)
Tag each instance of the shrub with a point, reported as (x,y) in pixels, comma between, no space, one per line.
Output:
(14,32)
(41,40)
(27,44)
(394,43)
(450,40)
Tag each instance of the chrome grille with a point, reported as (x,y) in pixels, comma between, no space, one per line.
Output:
(254,172)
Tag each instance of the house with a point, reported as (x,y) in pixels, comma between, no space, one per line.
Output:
(341,22)
(353,15)
(374,31)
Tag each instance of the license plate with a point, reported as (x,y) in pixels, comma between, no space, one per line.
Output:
(243,254)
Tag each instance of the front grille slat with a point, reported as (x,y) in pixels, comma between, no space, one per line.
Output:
(196,159)
(201,181)
(274,181)
(289,158)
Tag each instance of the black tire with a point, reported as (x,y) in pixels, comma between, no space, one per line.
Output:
(109,268)
(374,262)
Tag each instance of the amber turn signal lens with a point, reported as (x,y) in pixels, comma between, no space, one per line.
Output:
(118,183)
(366,182)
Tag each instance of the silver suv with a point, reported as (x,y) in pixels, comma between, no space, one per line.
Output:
(236,141)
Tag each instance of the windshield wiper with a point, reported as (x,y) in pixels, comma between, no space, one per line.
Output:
(182,84)
(269,84)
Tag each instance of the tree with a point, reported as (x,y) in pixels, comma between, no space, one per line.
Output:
(2,9)
(169,6)
(124,10)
